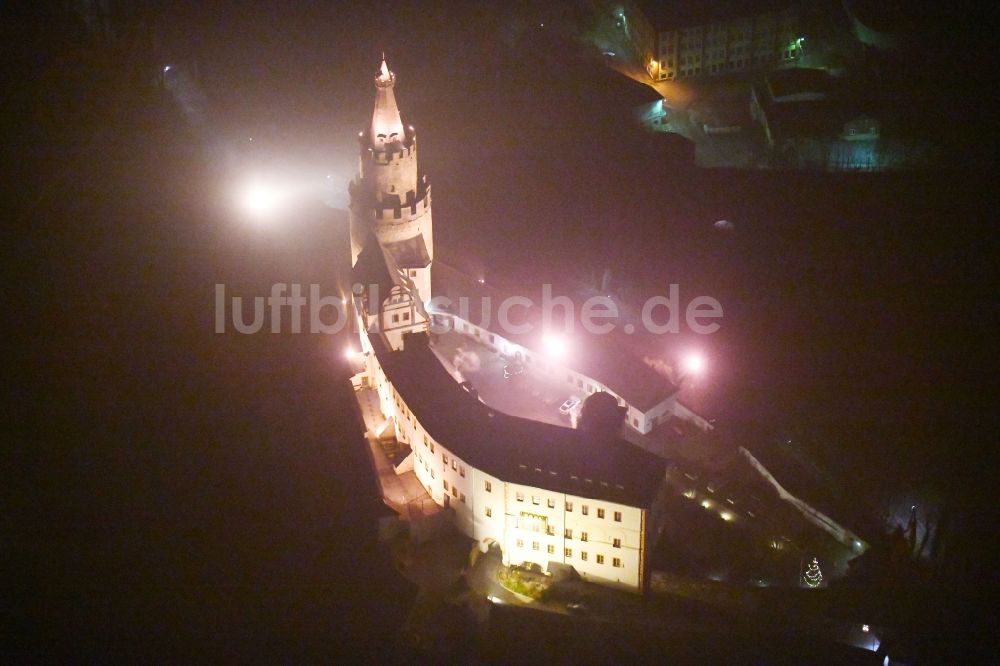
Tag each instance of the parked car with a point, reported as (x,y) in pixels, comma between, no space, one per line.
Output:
(567,407)
(513,370)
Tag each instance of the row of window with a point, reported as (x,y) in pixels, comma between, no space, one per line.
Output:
(616,542)
(568,553)
(455,493)
(454,464)
(584,508)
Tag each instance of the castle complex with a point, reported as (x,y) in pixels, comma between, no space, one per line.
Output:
(548,496)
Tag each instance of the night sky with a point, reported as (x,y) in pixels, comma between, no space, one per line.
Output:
(178,494)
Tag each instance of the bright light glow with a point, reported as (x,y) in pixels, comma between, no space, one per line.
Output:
(694,364)
(349,353)
(260,199)
(865,628)
(690,494)
(555,346)
(706,504)
(726,516)
(166,69)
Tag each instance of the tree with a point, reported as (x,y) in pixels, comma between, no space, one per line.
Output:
(813,576)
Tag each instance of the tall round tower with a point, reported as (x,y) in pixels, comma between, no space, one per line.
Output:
(390,197)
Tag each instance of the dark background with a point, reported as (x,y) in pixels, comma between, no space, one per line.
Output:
(176,494)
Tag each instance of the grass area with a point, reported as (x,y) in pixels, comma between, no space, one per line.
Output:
(515,581)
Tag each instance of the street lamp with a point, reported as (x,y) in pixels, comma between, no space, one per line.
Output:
(260,199)
(555,346)
(693,364)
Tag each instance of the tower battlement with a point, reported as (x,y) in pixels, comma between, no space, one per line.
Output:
(405,211)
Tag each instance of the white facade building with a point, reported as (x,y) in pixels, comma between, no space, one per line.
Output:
(546,494)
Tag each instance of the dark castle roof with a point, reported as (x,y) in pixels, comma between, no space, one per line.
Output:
(514,449)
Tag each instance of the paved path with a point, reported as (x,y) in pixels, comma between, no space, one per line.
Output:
(402,492)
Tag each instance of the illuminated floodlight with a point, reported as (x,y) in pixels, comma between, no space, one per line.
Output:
(726,516)
(555,346)
(349,353)
(694,364)
(706,504)
(865,628)
(260,199)
(166,68)
(690,494)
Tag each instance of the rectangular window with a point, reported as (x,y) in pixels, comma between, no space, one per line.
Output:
(552,503)
(425,440)
(444,459)
(583,536)
(432,473)
(568,533)
(535,500)
(584,509)
(569,506)
(432,447)
(454,491)
(600,513)
(489,487)
(534,545)
(454,464)
(617,543)
(600,559)
(461,498)
(406,316)
(550,530)
(489,512)
(550,549)
(618,516)
(461,470)
(616,562)
(583,555)
(520,497)
(395,319)
(520,543)
(568,552)
(446,484)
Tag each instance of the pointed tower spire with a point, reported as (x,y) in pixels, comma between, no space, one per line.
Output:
(386,126)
